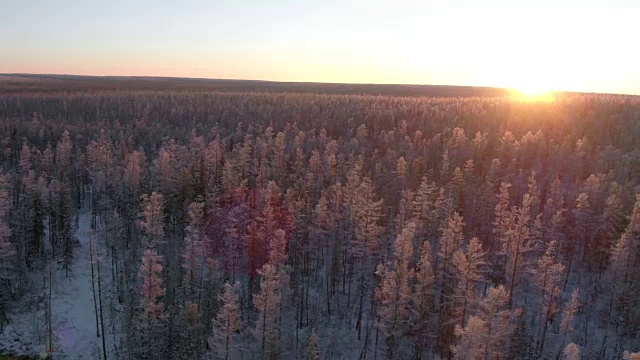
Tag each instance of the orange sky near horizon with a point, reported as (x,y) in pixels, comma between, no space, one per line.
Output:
(547,45)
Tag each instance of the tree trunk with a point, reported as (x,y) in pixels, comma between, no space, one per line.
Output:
(93,285)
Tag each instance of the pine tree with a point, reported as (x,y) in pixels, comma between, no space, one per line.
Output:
(63,157)
(450,241)
(366,245)
(469,276)
(611,226)
(424,201)
(193,255)
(152,223)
(624,274)
(499,320)
(149,322)
(582,214)
(422,301)
(7,252)
(189,333)
(517,243)
(313,349)
(568,314)
(404,210)
(631,356)
(548,278)
(227,323)
(63,218)
(267,304)
(320,231)
(472,340)
(572,352)
(393,294)
(502,221)
(367,213)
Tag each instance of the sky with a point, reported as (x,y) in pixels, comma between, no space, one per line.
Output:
(577,45)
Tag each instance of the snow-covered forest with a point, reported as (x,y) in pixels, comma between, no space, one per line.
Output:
(213,225)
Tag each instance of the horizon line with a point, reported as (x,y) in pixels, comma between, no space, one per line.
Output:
(303,82)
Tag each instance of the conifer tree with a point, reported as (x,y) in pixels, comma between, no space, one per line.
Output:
(468,265)
(499,320)
(393,293)
(611,226)
(472,340)
(189,333)
(320,230)
(623,272)
(267,304)
(503,219)
(149,322)
(517,243)
(152,222)
(548,278)
(631,356)
(63,218)
(227,323)
(313,349)
(582,214)
(7,252)
(366,245)
(426,208)
(193,252)
(568,314)
(450,241)
(422,301)
(572,352)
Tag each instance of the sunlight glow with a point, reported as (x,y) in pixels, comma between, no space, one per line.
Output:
(535,95)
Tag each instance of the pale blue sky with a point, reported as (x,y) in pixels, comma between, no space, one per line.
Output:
(565,45)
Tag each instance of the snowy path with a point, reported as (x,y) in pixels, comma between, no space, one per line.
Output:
(72,303)
(73,312)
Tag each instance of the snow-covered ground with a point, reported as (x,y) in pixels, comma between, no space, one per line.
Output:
(73,310)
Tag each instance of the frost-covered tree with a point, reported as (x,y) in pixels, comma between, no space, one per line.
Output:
(152,220)
(610,226)
(582,214)
(193,255)
(365,246)
(568,315)
(623,272)
(7,252)
(449,243)
(571,352)
(517,243)
(631,356)
(472,340)
(503,220)
(367,212)
(319,233)
(548,278)
(267,305)
(393,294)
(148,325)
(469,266)
(422,301)
(188,334)
(424,203)
(499,320)
(227,323)
(313,348)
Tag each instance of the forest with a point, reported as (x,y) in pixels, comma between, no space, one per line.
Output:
(278,225)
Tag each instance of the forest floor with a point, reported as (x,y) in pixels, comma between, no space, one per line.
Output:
(73,310)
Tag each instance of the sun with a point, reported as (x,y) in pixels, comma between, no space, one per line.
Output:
(534,93)
(533,86)
(532,78)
